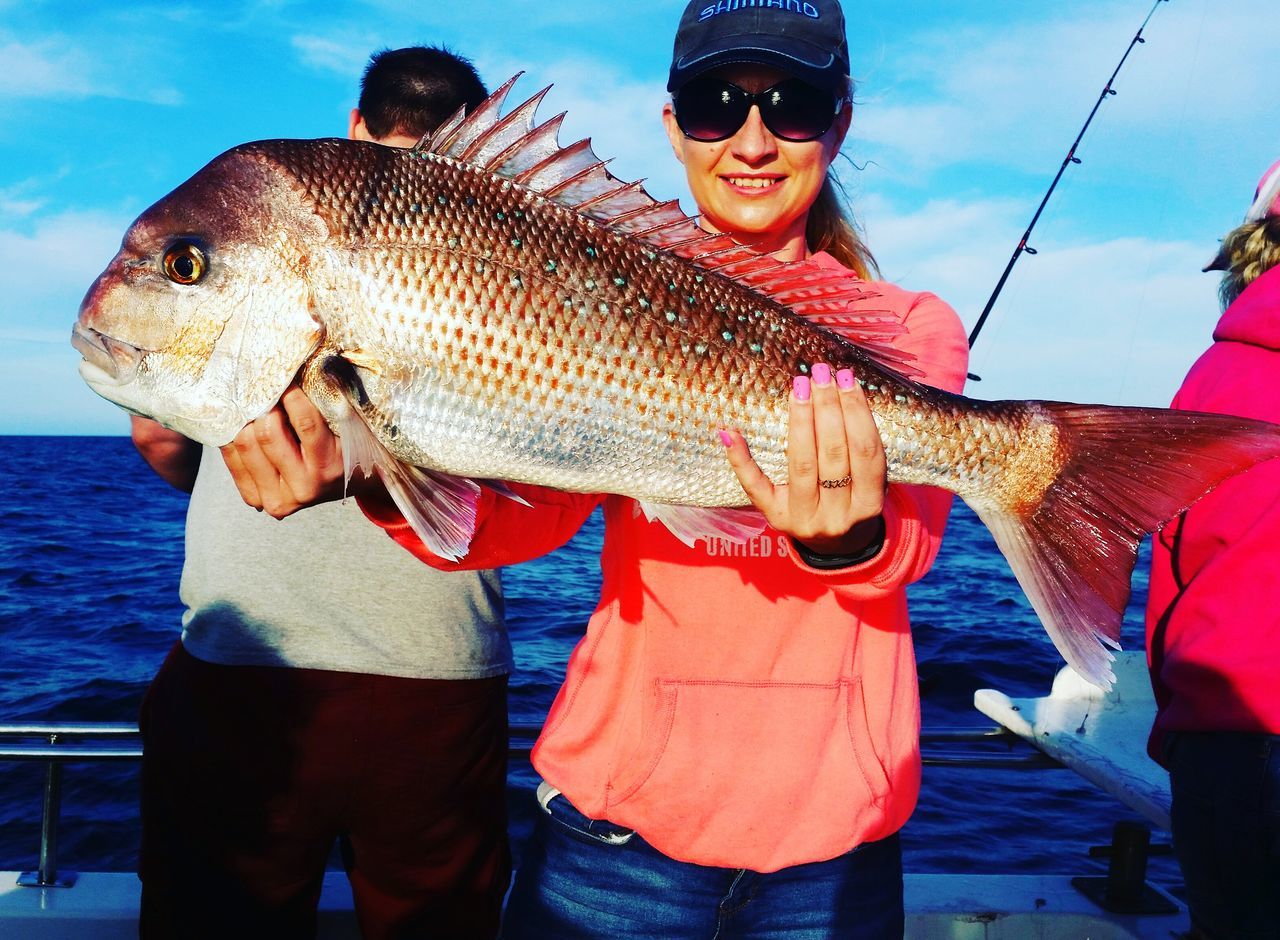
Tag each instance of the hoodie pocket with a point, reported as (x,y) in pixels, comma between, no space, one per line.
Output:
(788,765)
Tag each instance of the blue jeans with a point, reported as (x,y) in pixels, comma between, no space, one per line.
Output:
(1226,830)
(584,878)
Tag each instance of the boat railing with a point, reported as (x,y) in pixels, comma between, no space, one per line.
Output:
(55,744)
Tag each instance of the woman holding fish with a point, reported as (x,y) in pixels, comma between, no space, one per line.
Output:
(736,743)
(735,746)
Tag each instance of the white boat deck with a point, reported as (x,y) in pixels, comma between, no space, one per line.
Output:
(104,906)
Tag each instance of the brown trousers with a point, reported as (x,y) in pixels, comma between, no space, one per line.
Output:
(250,773)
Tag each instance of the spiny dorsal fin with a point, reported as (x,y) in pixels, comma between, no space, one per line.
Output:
(481,119)
(505,134)
(429,139)
(529,154)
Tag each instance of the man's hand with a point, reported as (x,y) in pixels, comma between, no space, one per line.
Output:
(287,459)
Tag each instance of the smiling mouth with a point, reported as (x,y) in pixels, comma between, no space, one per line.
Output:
(753,182)
(111,360)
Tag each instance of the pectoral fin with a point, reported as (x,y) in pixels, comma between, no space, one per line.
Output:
(690,523)
(439,507)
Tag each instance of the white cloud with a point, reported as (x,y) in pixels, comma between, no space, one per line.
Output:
(43,70)
(45,337)
(14,206)
(1114,307)
(966,94)
(27,197)
(45,395)
(45,272)
(1116,321)
(346,57)
(58,68)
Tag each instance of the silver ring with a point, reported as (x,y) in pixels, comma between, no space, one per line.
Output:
(836,484)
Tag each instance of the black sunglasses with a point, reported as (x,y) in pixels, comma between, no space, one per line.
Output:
(708,109)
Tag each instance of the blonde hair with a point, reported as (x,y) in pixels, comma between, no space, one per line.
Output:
(1251,250)
(831,229)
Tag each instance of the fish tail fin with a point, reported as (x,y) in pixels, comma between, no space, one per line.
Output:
(1126,471)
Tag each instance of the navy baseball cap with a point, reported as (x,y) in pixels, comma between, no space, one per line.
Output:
(804,38)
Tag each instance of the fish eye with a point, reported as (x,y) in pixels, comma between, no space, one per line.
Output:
(184,262)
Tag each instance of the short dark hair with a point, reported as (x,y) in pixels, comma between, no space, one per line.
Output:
(414,90)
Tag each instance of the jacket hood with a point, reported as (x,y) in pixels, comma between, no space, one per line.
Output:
(1255,316)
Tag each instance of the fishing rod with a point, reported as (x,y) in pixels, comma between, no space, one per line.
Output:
(1071,158)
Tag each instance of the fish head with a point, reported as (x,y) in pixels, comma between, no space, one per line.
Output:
(204,316)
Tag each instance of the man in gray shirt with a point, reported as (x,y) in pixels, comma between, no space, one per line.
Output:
(326,685)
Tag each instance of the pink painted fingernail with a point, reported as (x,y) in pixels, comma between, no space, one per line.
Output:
(844,379)
(726,438)
(821,373)
(800,386)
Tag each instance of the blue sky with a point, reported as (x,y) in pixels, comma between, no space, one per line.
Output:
(964,112)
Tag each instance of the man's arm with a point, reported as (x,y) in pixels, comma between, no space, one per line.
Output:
(173,457)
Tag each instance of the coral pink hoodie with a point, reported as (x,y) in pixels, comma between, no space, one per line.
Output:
(1213,612)
(734,706)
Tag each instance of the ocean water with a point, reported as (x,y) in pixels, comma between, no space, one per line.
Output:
(91,552)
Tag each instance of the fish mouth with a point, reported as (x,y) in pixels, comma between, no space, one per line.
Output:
(107,361)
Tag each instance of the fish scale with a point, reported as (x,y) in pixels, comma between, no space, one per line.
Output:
(514,303)
(494,307)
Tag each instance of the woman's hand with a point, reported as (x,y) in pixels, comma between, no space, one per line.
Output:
(287,459)
(834,494)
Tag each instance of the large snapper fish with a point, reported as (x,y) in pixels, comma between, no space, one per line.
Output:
(492,306)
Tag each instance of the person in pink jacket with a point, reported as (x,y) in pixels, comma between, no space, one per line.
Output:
(736,743)
(1213,614)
